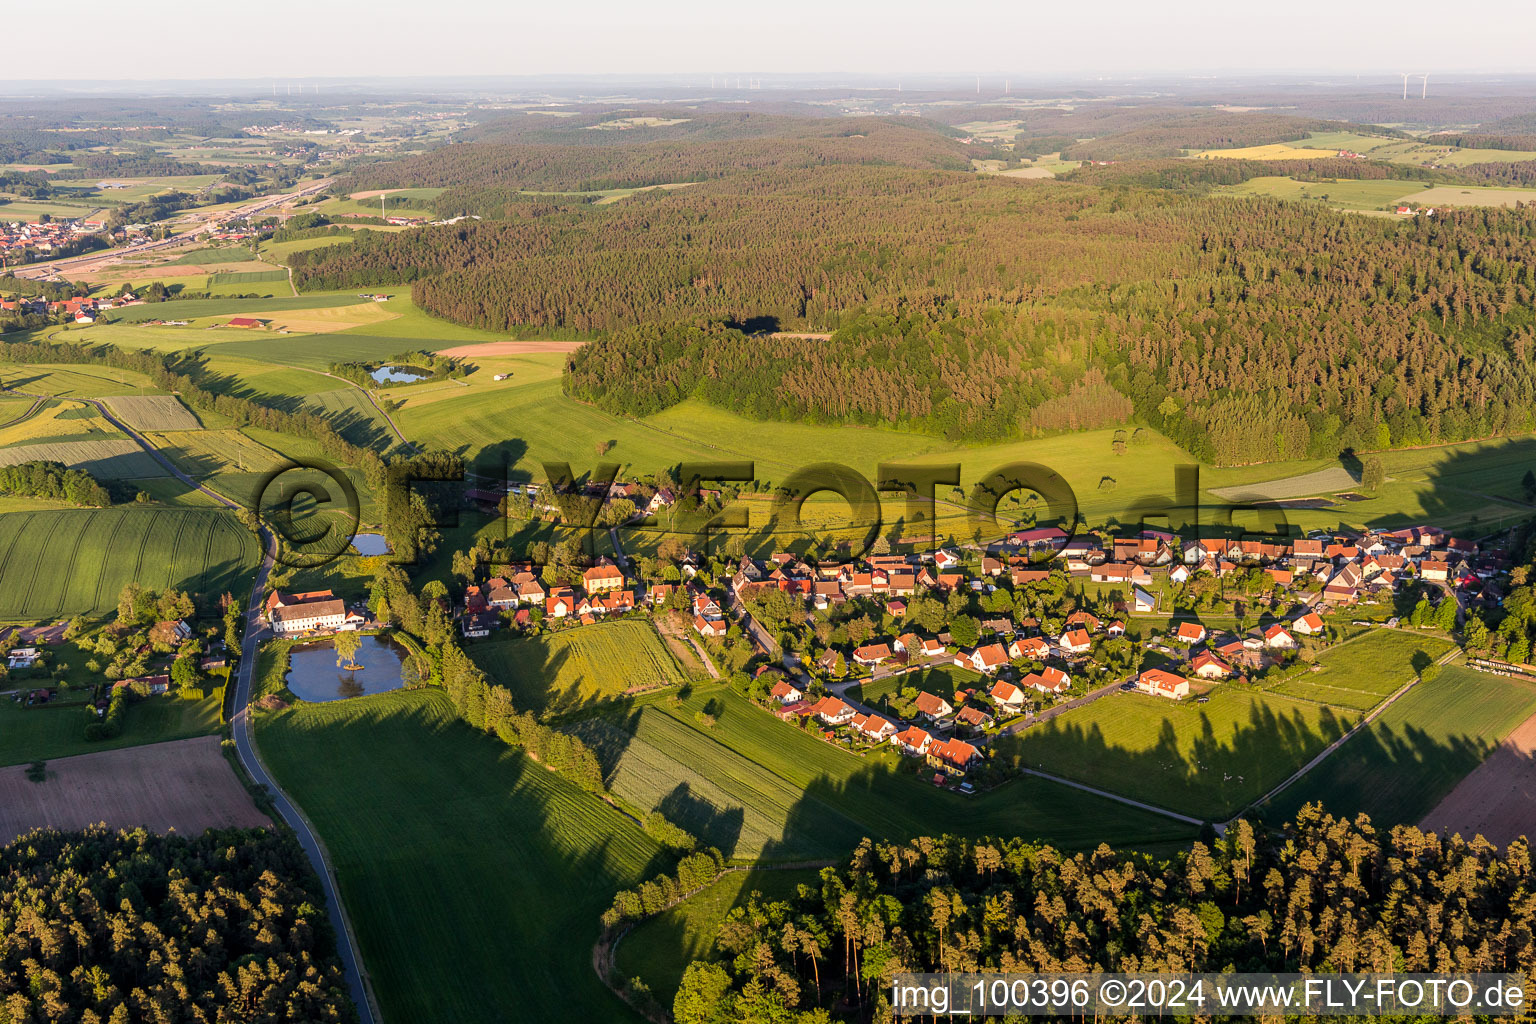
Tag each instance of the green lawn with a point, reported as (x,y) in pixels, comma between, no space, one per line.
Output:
(474,877)
(562,671)
(1401,765)
(658,950)
(47,732)
(1208,760)
(1358,674)
(759,788)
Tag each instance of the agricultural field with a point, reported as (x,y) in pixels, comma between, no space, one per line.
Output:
(153,412)
(1341,194)
(75,562)
(186,785)
(366,204)
(53,421)
(1422,152)
(58,729)
(73,381)
(1358,674)
(658,950)
(1400,766)
(405,805)
(30,211)
(756,787)
(1272,151)
(562,671)
(108,459)
(1208,760)
(1474,195)
(194,309)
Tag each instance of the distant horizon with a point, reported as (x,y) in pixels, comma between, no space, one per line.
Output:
(165,41)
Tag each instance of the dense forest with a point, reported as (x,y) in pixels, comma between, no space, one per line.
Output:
(104,927)
(54,481)
(963,305)
(1327,894)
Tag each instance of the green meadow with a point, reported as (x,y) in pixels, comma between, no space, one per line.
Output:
(58,730)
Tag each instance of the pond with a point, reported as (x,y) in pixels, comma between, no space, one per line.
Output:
(313,674)
(370,543)
(399,374)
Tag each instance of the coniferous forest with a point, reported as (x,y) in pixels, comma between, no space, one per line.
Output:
(108,927)
(1327,894)
(980,308)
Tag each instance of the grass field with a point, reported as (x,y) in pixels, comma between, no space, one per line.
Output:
(562,671)
(107,459)
(660,949)
(1341,194)
(1400,766)
(53,421)
(1358,674)
(469,872)
(73,381)
(1423,152)
(75,562)
(1207,760)
(192,309)
(153,412)
(1474,195)
(30,211)
(47,732)
(757,787)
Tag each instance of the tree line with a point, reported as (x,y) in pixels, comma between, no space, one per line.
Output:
(1322,894)
(53,480)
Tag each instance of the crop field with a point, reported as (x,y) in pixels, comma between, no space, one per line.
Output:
(193,309)
(310,320)
(310,354)
(1400,151)
(53,421)
(1272,151)
(1399,767)
(573,667)
(1207,760)
(73,381)
(1359,674)
(58,730)
(1474,195)
(757,787)
(410,804)
(153,412)
(660,949)
(108,459)
(206,453)
(30,211)
(279,251)
(75,562)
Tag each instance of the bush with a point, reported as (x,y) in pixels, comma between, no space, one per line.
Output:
(672,836)
(111,725)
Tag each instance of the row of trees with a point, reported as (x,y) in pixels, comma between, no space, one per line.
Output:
(53,480)
(1323,894)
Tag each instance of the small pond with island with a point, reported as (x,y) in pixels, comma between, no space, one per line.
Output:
(314,674)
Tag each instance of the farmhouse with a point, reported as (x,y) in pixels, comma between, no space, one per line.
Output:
(309,615)
(245,322)
(1162,684)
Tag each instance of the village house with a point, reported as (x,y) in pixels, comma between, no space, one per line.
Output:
(709,627)
(989,658)
(291,614)
(871,654)
(1162,684)
(1189,633)
(1310,624)
(1141,601)
(832,663)
(786,692)
(912,741)
(1209,666)
(1031,648)
(1075,641)
(170,632)
(874,728)
(1048,680)
(932,707)
(1007,696)
(952,756)
(972,717)
(478,624)
(1277,636)
(602,577)
(834,711)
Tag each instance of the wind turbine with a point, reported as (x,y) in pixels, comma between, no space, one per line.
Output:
(1425,94)
(1405,84)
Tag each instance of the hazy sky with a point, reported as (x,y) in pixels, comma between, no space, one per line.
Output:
(323,38)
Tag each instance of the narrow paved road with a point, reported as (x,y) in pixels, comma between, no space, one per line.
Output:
(245,744)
